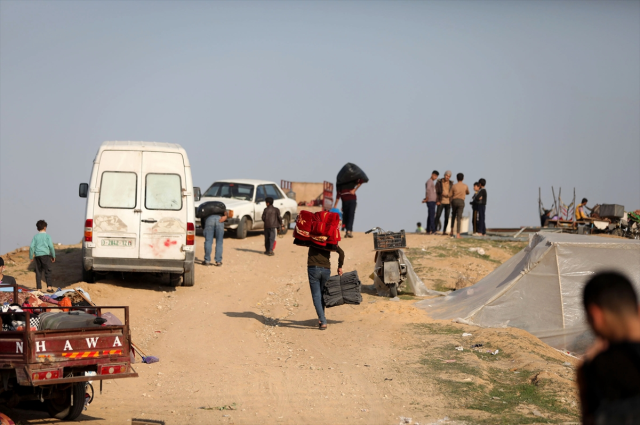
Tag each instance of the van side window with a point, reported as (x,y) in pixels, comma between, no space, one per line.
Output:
(118,190)
(163,192)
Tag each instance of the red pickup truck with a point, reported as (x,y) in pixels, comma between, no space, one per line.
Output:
(54,366)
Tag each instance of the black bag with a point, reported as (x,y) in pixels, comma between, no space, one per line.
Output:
(341,290)
(210,208)
(351,173)
(70,320)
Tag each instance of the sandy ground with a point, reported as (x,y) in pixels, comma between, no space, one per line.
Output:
(242,345)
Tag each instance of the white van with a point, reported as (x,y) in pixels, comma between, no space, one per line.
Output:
(140,214)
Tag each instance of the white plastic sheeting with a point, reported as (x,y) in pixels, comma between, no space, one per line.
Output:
(413,283)
(540,288)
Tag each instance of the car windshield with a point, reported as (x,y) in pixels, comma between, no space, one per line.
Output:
(230,190)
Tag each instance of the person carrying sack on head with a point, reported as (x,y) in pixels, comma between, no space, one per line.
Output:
(214,228)
(272,222)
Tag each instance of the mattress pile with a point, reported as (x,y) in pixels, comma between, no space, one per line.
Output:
(320,228)
(341,290)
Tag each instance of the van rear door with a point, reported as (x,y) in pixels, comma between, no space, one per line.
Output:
(116,205)
(163,224)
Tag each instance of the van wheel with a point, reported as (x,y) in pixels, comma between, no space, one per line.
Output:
(243,228)
(59,406)
(88,276)
(286,220)
(188,278)
(175,279)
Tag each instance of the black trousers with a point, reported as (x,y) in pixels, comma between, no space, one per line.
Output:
(43,269)
(482,228)
(349,213)
(270,238)
(474,218)
(447,210)
(456,214)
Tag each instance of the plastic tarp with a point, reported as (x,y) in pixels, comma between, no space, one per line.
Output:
(540,288)
(412,284)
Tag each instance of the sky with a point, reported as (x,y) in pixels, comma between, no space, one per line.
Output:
(525,94)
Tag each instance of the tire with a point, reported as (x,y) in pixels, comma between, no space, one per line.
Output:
(175,279)
(88,276)
(188,278)
(617,232)
(60,406)
(243,228)
(393,291)
(286,221)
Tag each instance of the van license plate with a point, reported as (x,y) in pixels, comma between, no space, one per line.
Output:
(117,242)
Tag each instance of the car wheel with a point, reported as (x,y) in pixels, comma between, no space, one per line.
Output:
(243,228)
(286,220)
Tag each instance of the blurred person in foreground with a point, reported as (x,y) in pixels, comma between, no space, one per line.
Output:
(609,378)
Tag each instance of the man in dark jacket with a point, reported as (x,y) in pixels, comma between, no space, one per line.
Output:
(481,205)
(272,222)
(609,378)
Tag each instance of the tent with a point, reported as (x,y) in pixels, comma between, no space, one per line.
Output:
(540,288)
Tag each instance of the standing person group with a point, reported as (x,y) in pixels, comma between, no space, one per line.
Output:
(444,196)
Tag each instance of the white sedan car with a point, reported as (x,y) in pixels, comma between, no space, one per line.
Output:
(246,198)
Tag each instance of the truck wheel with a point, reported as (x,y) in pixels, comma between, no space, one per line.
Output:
(188,278)
(285,222)
(243,228)
(393,291)
(60,407)
(88,276)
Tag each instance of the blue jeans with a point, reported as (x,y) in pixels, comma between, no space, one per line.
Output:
(213,229)
(318,276)
(431,218)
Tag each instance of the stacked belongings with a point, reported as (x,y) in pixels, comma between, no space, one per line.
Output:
(319,229)
(341,290)
(349,177)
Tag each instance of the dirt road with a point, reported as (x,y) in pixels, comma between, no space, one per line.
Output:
(243,347)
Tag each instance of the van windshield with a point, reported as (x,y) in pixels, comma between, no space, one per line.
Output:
(230,190)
